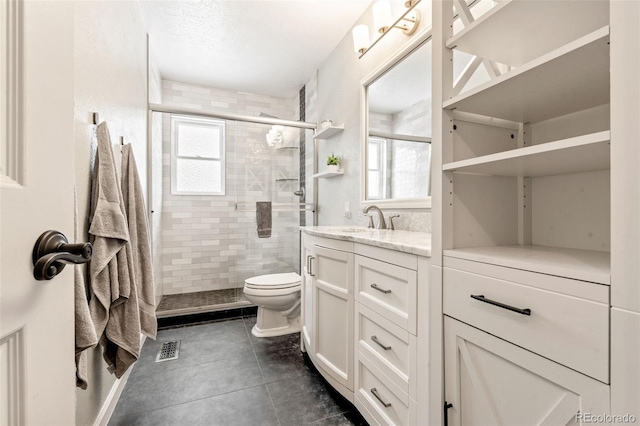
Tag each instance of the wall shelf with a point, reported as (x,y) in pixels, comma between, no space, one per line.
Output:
(287,180)
(572,78)
(579,154)
(328,174)
(328,131)
(286,148)
(527,39)
(585,265)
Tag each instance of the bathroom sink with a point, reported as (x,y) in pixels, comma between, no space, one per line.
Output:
(348,230)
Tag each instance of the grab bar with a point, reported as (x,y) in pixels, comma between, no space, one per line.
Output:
(277,207)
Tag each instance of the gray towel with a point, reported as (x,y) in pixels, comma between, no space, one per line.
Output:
(85,331)
(140,242)
(263,218)
(114,299)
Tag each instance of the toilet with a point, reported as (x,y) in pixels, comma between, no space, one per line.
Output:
(278,299)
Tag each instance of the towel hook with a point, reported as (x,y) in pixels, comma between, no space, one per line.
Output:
(52,251)
(96,118)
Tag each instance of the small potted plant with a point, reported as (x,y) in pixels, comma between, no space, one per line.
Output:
(333,163)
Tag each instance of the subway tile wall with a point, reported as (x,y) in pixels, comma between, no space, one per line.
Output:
(208,245)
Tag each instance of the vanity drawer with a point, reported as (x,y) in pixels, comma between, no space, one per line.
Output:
(388,290)
(384,403)
(391,348)
(566,329)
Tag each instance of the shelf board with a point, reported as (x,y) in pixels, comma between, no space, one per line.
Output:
(569,79)
(283,148)
(583,265)
(533,28)
(286,180)
(328,131)
(580,154)
(328,174)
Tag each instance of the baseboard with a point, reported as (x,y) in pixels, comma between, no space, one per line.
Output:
(114,395)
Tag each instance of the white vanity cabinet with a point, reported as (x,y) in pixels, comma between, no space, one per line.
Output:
(365,309)
(327,314)
(386,342)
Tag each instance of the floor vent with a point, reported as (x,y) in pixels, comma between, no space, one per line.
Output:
(168,351)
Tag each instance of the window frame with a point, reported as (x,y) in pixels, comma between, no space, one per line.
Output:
(382,166)
(220,125)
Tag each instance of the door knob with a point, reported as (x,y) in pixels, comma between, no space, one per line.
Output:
(52,251)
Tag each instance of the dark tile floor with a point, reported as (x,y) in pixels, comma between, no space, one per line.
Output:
(226,376)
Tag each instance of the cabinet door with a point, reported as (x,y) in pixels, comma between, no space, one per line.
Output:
(332,272)
(307,298)
(491,381)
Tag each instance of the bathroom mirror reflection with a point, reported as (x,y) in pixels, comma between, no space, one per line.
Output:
(397,131)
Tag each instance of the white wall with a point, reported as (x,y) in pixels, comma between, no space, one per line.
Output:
(111,79)
(339,83)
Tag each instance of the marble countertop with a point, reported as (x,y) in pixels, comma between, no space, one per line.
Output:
(409,242)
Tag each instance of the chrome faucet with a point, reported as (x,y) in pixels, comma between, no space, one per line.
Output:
(381,223)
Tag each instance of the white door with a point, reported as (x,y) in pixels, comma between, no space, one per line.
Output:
(332,272)
(37,370)
(489,381)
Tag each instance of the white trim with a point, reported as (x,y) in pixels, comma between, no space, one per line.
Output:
(110,402)
(415,203)
(12,167)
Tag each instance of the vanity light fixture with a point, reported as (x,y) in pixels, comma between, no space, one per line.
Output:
(408,22)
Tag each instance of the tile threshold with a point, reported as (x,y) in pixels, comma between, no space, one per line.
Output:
(202,309)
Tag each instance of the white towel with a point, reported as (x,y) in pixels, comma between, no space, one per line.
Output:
(140,242)
(114,301)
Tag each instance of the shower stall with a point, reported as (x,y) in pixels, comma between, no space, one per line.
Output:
(210,244)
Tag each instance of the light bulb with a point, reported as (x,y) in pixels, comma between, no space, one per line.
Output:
(360,35)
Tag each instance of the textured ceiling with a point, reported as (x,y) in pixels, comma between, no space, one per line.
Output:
(269,47)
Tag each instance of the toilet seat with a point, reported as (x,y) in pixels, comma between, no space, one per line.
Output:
(274,281)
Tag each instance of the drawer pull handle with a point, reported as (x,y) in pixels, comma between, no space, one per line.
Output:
(375,287)
(310,266)
(375,340)
(481,298)
(374,391)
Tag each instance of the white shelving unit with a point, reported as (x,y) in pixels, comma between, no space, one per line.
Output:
(580,154)
(584,265)
(328,174)
(328,131)
(562,70)
(536,199)
(571,78)
(522,40)
(524,198)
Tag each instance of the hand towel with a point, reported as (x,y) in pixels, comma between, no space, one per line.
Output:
(114,301)
(140,242)
(263,218)
(85,331)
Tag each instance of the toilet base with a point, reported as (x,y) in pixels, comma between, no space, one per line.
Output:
(273,323)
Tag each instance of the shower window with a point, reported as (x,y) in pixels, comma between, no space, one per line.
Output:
(197,156)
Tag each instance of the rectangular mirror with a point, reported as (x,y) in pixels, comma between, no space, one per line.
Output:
(396,137)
